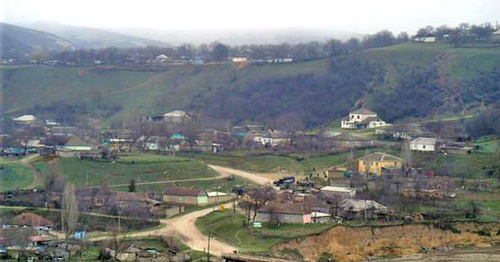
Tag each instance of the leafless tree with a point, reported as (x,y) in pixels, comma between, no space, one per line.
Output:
(52,182)
(19,237)
(69,210)
(258,197)
(406,152)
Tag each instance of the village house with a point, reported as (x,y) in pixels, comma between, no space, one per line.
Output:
(25,119)
(319,217)
(338,192)
(423,144)
(176,116)
(362,209)
(429,38)
(495,36)
(403,131)
(120,144)
(128,203)
(346,140)
(31,220)
(272,138)
(362,118)
(77,147)
(219,197)
(239,59)
(185,196)
(375,162)
(63,131)
(284,213)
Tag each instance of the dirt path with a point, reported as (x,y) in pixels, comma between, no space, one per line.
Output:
(37,175)
(261,179)
(184,228)
(138,86)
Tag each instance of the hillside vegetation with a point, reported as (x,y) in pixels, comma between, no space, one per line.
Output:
(406,80)
(16,41)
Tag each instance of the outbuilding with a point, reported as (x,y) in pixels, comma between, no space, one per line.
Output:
(186,196)
(284,213)
(423,144)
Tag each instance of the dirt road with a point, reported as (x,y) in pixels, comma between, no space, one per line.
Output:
(184,228)
(261,179)
(37,175)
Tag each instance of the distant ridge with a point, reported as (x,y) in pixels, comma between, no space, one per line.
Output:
(87,38)
(19,41)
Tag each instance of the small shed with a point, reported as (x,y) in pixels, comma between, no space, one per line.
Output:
(423,144)
(337,191)
(186,196)
(284,213)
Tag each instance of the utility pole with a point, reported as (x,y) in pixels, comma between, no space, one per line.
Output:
(208,250)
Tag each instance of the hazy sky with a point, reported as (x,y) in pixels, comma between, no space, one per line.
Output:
(349,15)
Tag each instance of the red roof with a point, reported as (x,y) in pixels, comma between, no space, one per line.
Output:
(30,219)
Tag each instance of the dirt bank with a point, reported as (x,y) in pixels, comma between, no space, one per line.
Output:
(359,243)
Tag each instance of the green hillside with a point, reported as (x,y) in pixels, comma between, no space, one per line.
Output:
(425,74)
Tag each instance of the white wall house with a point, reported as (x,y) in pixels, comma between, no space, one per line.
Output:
(423,144)
(344,192)
(425,39)
(362,118)
(239,59)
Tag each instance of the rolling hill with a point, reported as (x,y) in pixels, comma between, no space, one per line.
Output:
(18,41)
(92,38)
(406,80)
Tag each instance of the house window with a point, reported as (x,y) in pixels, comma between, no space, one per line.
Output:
(376,163)
(423,146)
(395,163)
(358,117)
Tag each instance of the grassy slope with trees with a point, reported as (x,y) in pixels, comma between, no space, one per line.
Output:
(384,79)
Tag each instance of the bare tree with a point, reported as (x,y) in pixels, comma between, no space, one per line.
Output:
(69,210)
(259,197)
(406,152)
(19,237)
(52,182)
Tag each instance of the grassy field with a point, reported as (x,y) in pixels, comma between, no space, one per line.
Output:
(221,185)
(230,228)
(474,165)
(489,145)
(458,62)
(14,176)
(142,168)
(272,163)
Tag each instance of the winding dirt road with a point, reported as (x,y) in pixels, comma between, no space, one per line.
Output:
(261,179)
(183,226)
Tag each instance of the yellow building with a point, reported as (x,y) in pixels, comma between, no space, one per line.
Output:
(376,161)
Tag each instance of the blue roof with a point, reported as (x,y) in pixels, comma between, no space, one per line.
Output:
(177,136)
